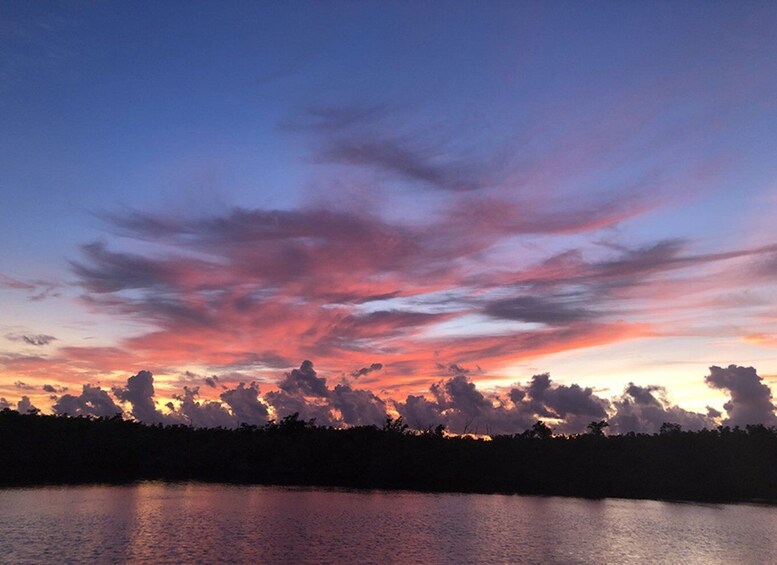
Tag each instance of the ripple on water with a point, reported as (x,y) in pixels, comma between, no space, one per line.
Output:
(205,523)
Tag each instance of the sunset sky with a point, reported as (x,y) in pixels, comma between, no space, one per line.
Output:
(409,195)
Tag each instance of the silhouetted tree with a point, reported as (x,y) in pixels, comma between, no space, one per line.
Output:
(669,428)
(723,464)
(541,430)
(597,428)
(395,426)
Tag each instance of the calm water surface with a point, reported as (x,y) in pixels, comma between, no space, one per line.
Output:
(202,523)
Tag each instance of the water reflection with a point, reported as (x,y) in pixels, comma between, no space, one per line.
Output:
(182,523)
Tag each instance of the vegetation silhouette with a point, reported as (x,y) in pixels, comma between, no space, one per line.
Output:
(718,465)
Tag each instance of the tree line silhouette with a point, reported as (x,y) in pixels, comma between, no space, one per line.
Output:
(717,465)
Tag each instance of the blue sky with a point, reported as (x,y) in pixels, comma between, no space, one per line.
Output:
(510,188)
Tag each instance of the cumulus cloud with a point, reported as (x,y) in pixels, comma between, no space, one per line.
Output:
(139,392)
(285,404)
(23,386)
(211,381)
(751,399)
(304,381)
(462,394)
(93,401)
(203,414)
(465,408)
(645,409)
(245,403)
(53,389)
(573,405)
(303,392)
(462,408)
(421,413)
(358,407)
(455,402)
(25,405)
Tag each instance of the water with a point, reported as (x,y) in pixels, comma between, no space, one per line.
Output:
(203,523)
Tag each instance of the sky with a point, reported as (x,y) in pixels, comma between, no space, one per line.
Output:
(431,205)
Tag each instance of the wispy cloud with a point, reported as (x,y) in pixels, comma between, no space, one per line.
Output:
(36,290)
(258,288)
(37,340)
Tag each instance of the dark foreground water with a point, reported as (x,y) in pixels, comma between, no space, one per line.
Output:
(205,523)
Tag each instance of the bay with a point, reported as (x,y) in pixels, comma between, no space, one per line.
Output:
(149,523)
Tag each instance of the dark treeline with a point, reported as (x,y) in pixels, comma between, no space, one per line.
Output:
(711,465)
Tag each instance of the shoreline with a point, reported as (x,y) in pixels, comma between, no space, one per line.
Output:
(372,490)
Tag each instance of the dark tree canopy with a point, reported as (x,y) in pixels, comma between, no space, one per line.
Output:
(724,464)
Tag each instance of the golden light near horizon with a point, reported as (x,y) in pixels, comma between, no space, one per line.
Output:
(597,207)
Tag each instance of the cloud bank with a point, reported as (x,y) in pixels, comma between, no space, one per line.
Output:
(454,402)
(750,398)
